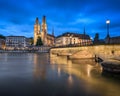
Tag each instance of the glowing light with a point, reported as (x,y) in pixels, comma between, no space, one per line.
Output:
(59,71)
(89,70)
(91,38)
(70,79)
(108,22)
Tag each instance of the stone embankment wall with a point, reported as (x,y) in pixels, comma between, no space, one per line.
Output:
(102,51)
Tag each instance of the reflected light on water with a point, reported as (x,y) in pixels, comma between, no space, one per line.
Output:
(59,71)
(89,68)
(70,80)
(35,76)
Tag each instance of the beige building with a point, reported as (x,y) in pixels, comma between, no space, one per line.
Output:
(41,31)
(72,39)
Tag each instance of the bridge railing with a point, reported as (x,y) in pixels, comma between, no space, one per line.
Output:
(82,45)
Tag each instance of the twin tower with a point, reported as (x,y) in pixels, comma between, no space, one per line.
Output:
(41,31)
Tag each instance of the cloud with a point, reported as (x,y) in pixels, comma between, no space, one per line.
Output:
(64,15)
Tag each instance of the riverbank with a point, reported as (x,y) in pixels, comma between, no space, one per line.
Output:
(23,51)
(111,65)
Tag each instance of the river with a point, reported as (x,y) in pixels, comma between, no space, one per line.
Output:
(39,74)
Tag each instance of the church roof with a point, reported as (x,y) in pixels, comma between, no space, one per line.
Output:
(68,34)
(50,35)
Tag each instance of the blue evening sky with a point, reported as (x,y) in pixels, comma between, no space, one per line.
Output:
(17,17)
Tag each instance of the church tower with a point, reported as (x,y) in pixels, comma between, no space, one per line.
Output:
(36,30)
(41,31)
(44,31)
(84,33)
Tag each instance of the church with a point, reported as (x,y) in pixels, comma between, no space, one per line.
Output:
(40,30)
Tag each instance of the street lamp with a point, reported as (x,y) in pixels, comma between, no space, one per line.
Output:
(108,23)
(108,36)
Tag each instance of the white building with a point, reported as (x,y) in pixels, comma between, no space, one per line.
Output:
(72,39)
(16,41)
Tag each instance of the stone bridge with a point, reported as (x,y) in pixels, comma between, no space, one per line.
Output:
(102,51)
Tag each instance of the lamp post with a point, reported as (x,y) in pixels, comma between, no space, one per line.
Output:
(108,23)
(108,36)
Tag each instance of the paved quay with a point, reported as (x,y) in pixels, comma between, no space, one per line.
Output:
(111,65)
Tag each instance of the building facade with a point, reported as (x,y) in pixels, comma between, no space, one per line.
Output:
(16,41)
(115,40)
(2,43)
(112,40)
(41,31)
(72,39)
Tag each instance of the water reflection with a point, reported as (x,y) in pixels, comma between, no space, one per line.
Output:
(79,67)
(59,71)
(40,62)
(89,72)
(51,75)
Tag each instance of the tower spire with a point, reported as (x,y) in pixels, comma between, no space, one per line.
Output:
(36,30)
(84,31)
(44,20)
(53,31)
(44,25)
(44,30)
(37,20)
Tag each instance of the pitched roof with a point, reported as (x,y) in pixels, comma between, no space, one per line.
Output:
(68,34)
(50,35)
(117,37)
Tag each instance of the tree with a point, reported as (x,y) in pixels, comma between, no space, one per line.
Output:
(31,40)
(2,37)
(39,42)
